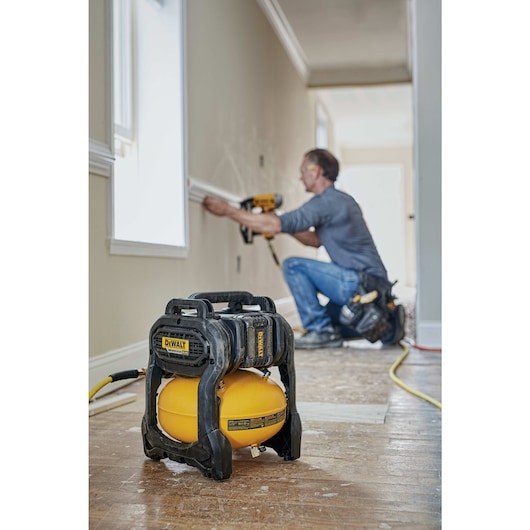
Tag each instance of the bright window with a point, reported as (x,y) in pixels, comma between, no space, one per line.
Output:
(149,184)
(321,133)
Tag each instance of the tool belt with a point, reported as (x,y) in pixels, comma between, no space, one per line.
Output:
(368,311)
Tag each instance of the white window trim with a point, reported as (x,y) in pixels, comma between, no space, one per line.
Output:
(123,78)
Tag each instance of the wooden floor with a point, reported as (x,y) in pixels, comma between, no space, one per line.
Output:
(357,470)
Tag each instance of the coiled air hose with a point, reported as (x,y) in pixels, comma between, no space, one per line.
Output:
(394,367)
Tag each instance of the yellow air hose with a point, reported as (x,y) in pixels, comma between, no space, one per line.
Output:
(119,376)
(99,386)
(398,381)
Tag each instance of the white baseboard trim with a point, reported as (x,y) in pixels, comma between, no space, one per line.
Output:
(130,357)
(429,333)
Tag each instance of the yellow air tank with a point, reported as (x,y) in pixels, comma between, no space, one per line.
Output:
(252,410)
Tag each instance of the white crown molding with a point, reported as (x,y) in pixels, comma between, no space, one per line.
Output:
(100,158)
(346,77)
(286,35)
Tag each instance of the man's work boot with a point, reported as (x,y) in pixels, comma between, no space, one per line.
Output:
(318,339)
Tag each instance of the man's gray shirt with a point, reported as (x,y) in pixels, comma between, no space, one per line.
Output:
(340,226)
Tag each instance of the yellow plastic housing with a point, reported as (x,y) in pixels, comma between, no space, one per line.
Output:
(252,410)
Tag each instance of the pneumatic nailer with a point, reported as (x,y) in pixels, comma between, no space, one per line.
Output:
(264,203)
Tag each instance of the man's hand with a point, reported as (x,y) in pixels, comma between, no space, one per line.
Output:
(216,205)
(263,223)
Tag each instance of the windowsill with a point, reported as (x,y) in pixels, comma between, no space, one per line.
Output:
(153,250)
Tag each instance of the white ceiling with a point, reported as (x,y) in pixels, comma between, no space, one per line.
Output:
(356,54)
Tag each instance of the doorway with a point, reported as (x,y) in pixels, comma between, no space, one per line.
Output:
(380,192)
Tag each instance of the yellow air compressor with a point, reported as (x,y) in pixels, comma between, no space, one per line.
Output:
(219,396)
(252,408)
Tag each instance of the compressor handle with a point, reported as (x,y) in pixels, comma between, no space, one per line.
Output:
(204,308)
(236,299)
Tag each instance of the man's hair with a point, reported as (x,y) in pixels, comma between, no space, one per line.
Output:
(324,159)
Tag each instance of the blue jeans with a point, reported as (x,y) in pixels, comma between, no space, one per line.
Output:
(308,277)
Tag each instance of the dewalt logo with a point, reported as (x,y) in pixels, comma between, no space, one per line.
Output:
(261,343)
(172,345)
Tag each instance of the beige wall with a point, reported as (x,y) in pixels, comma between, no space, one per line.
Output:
(98,94)
(244,100)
